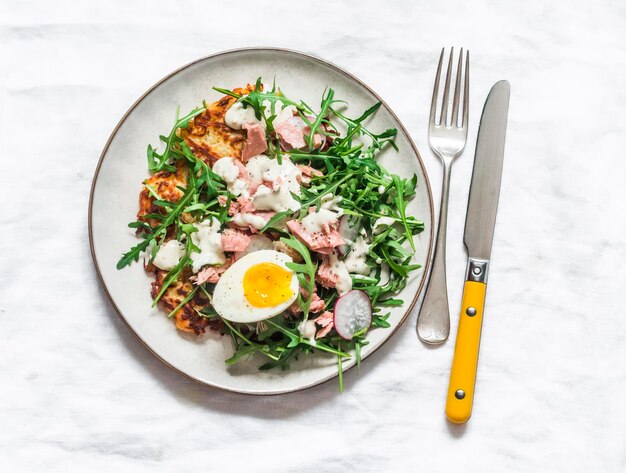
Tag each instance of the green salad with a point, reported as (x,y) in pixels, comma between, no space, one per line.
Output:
(270,220)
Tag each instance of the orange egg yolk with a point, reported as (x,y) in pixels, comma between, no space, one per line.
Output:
(267,285)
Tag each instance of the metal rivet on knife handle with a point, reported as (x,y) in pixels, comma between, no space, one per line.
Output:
(459,394)
(471,311)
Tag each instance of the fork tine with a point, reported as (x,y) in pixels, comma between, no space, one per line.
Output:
(433,104)
(457,91)
(466,91)
(446,91)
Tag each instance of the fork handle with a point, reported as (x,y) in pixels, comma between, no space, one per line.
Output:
(433,322)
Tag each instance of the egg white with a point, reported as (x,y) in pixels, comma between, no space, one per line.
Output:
(228,297)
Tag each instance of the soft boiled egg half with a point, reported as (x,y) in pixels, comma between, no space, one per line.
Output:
(256,287)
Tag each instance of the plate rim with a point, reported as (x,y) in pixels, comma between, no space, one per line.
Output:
(321,61)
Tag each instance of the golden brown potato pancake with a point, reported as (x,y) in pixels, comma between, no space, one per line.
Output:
(209,137)
(165,184)
(186,318)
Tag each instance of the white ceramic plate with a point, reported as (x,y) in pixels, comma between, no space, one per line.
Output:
(122,168)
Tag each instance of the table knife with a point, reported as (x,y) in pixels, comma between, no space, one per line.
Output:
(479,227)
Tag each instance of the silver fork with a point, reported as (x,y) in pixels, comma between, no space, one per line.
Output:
(447,139)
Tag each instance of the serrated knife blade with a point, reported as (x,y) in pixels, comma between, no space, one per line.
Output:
(482,203)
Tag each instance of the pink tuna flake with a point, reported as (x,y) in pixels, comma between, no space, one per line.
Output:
(255,143)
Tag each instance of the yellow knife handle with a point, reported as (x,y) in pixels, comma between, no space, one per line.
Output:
(463,374)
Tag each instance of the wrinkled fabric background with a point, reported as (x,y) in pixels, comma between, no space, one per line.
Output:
(79,392)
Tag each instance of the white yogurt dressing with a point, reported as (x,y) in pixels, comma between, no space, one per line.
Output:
(381,224)
(239,187)
(169,255)
(315,221)
(256,168)
(286,172)
(208,239)
(238,115)
(226,169)
(229,172)
(328,213)
(263,169)
(307,329)
(330,201)
(285,177)
(339,269)
(243,220)
(278,200)
(356,260)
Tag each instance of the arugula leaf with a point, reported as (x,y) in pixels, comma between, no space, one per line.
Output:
(158,162)
(306,273)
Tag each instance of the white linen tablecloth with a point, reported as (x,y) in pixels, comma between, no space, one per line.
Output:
(79,393)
